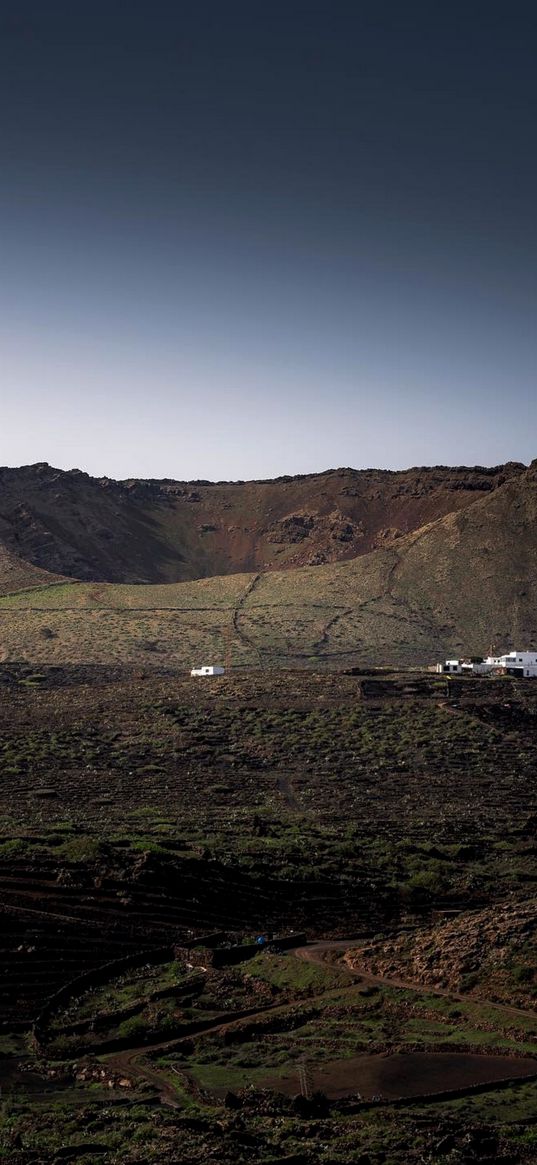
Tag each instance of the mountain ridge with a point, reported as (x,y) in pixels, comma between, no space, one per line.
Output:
(452,585)
(161,530)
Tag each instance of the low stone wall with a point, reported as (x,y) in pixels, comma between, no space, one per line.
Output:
(434,1097)
(103,1020)
(97,977)
(288,942)
(202,955)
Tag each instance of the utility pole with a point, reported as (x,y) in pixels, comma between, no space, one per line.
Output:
(304,1079)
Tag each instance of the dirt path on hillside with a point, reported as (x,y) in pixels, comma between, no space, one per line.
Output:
(323,640)
(131,1063)
(319,953)
(244,639)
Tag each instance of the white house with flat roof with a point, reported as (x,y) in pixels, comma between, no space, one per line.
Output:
(522,663)
(513,663)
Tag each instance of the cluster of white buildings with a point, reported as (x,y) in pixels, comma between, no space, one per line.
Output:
(513,663)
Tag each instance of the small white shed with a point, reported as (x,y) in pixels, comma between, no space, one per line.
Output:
(211,670)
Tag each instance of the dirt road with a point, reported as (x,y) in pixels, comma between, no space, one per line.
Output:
(131,1063)
(318,953)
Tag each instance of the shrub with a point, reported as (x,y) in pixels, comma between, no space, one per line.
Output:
(522,973)
(469,981)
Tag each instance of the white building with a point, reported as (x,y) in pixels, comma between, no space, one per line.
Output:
(211,670)
(451,666)
(513,663)
(517,663)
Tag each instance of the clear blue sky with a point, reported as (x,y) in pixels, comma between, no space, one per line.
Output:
(242,240)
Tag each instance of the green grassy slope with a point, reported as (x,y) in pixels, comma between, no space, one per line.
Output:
(222,591)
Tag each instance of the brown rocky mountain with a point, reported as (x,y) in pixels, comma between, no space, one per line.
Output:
(446,564)
(71,524)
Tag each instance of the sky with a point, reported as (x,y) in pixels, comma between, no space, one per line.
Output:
(240,240)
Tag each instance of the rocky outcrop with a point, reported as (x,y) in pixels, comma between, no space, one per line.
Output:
(292,529)
(489,953)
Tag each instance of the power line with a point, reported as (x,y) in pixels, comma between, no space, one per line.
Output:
(305,1079)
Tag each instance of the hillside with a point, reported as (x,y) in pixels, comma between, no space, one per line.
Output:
(16,573)
(490,953)
(453,585)
(137,531)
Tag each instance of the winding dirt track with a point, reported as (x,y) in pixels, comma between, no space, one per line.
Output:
(318,952)
(241,636)
(131,1063)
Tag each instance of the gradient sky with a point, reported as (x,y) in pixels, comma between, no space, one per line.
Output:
(242,239)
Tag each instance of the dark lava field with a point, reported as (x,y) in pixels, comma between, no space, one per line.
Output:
(376,830)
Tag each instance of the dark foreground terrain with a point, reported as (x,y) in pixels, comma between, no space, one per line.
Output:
(379,828)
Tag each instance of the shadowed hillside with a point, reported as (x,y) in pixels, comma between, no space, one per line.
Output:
(16,573)
(454,585)
(163,531)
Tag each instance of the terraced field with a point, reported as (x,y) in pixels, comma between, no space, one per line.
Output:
(142,810)
(247,1037)
(136,810)
(104,748)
